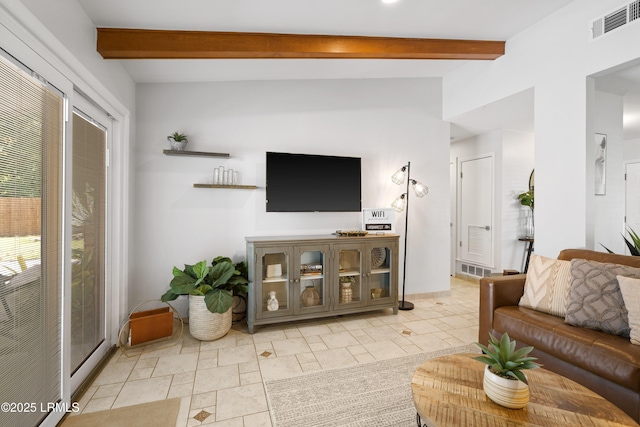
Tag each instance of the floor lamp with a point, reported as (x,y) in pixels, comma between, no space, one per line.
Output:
(400,204)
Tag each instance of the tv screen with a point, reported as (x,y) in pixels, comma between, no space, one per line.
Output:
(313,183)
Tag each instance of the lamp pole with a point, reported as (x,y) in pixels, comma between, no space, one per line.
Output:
(406,305)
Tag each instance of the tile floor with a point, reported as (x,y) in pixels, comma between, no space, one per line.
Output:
(220,383)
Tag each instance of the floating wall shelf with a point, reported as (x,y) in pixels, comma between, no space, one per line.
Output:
(237,187)
(194,153)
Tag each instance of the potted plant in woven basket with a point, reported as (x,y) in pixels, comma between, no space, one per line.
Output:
(504,380)
(211,291)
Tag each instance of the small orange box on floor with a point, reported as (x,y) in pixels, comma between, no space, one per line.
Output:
(150,325)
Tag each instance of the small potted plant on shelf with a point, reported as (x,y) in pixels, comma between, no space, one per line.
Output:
(504,382)
(177,141)
(211,293)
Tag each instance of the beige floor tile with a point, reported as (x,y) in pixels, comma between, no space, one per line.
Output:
(146,363)
(185,378)
(236,355)
(357,349)
(175,364)
(250,378)
(382,350)
(180,390)
(228,340)
(240,401)
(266,335)
(143,391)
(335,358)
(310,366)
(261,419)
(108,390)
(290,346)
(114,373)
(364,358)
(320,346)
(351,324)
(306,357)
(279,368)
(216,379)
(311,330)
(339,339)
(292,333)
(99,404)
(421,326)
(234,422)
(383,333)
(251,366)
(202,400)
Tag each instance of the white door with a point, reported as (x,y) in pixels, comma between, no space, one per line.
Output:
(632,197)
(476,210)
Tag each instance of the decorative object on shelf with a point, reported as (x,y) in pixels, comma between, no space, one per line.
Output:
(504,381)
(177,141)
(274,270)
(346,292)
(310,297)
(351,233)
(214,288)
(399,205)
(378,257)
(376,293)
(272,302)
(311,269)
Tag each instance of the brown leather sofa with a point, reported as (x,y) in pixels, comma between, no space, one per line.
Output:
(607,364)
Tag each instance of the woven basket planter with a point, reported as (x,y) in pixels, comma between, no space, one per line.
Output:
(205,325)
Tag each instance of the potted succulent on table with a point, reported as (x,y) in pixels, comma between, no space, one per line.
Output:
(504,382)
(177,141)
(211,291)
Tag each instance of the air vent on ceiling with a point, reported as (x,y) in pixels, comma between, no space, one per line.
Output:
(618,18)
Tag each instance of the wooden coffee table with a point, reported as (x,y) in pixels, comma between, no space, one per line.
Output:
(447,391)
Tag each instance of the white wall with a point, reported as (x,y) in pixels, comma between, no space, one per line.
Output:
(386,122)
(632,149)
(513,162)
(554,57)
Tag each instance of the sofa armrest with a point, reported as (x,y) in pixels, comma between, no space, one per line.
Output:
(497,291)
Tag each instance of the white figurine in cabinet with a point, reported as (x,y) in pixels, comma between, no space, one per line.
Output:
(272,302)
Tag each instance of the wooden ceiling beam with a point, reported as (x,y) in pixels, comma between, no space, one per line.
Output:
(121,43)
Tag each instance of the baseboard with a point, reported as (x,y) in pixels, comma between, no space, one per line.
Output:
(422,295)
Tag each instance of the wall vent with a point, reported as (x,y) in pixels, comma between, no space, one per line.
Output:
(475,271)
(618,18)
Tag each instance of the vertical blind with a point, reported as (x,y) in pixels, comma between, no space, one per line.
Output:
(88,238)
(31,141)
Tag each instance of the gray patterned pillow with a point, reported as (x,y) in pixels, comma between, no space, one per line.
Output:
(595,300)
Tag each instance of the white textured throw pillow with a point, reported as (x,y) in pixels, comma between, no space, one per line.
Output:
(630,289)
(547,285)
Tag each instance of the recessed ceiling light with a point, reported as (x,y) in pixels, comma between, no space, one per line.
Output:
(390,1)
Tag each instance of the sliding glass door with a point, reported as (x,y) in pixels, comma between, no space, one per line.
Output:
(88,236)
(31,244)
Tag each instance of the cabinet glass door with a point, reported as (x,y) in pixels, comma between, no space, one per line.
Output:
(275,290)
(310,285)
(350,275)
(379,276)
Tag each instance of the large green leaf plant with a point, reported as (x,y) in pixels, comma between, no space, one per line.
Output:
(218,283)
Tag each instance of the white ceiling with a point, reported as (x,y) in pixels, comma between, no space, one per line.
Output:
(455,19)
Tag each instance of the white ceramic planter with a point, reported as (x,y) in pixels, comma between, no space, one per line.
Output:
(512,394)
(205,325)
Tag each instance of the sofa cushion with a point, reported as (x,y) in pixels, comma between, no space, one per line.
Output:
(595,301)
(630,289)
(547,285)
(608,356)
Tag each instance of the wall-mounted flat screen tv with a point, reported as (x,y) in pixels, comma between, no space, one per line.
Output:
(313,183)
